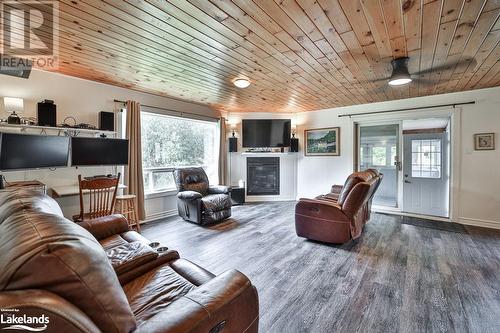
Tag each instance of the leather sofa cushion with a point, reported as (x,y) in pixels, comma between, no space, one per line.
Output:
(128,256)
(112,241)
(43,250)
(216,202)
(15,201)
(351,181)
(155,291)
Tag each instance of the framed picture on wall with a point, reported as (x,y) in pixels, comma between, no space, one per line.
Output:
(322,141)
(484,141)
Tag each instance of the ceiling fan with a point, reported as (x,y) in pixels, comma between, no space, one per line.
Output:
(400,74)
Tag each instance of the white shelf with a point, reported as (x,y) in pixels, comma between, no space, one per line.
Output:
(49,128)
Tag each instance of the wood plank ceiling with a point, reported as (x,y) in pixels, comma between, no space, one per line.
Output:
(300,55)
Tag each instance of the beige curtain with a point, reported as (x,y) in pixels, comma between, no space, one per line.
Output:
(133,172)
(222,152)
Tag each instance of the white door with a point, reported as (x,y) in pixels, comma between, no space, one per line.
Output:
(425,174)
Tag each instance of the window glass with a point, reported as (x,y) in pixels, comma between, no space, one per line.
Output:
(171,142)
(379,156)
(426,158)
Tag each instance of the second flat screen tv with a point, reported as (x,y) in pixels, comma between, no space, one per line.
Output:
(98,151)
(262,133)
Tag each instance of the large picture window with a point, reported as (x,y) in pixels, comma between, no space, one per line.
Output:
(171,142)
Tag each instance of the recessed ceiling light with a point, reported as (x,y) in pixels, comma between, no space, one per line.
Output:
(241,83)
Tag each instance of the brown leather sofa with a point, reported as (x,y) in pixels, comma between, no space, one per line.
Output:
(101,277)
(340,215)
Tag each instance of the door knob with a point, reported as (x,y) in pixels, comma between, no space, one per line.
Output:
(407,181)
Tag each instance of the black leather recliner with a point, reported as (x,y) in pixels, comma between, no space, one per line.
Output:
(199,202)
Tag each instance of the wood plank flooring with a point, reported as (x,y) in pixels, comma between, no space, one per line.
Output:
(395,278)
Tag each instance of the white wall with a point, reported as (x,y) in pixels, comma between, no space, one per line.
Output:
(478,201)
(83,100)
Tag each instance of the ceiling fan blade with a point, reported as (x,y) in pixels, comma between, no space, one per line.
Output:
(424,81)
(465,62)
(380,80)
(375,81)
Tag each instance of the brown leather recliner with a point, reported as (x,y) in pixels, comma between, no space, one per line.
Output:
(340,215)
(199,202)
(108,279)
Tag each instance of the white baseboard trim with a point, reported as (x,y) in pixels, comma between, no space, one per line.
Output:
(160,215)
(479,223)
(400,213)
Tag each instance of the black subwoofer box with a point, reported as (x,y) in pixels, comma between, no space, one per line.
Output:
(294,145)
(233,145)
(46,114)
(237,195)
(106,121)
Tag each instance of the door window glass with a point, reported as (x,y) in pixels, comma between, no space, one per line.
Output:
(426,158)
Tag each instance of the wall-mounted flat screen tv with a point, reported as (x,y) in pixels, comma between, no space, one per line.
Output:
(98,151)
(22,151)
(262,133)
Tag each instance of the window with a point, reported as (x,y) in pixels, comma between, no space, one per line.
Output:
(171,142)
(426,158)
(379,156)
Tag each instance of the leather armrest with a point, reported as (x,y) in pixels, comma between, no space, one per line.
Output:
(219,189)
(228,301)
(62,315)
(106,226)
(189,195)
(336,189)
(323,209)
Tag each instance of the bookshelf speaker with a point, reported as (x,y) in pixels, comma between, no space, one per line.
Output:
(233,145)
(294,145)
(106,121)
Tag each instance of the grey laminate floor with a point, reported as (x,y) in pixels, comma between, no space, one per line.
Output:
(395,278)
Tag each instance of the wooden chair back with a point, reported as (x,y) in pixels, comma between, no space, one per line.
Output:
(102,196)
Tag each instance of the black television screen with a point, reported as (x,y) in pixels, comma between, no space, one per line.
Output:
(22,151)
(263,133)
(98,151)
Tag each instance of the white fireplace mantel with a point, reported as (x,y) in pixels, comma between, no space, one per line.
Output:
(288,174)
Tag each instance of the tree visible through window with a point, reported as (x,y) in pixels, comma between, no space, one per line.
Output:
(379,155)
(171,142)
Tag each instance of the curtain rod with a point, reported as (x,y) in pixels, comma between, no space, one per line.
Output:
(165,109)
(405,109)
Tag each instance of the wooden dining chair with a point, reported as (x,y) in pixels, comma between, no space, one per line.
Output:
(102,196)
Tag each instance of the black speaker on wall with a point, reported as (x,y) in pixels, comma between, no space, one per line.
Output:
(46,113)
(294,144)
(106,121)
(233,144)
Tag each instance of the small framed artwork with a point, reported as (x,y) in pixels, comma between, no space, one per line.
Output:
(322,141)
(484,141)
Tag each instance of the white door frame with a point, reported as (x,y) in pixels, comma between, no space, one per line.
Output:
(455,115)
(400,152)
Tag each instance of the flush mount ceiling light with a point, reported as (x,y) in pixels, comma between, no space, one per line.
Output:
(241,83)
(400,74)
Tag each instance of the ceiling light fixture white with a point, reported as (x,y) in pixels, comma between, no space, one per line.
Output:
(400,74)
(241,83)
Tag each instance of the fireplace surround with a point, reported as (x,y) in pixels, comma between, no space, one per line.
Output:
(263,175)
